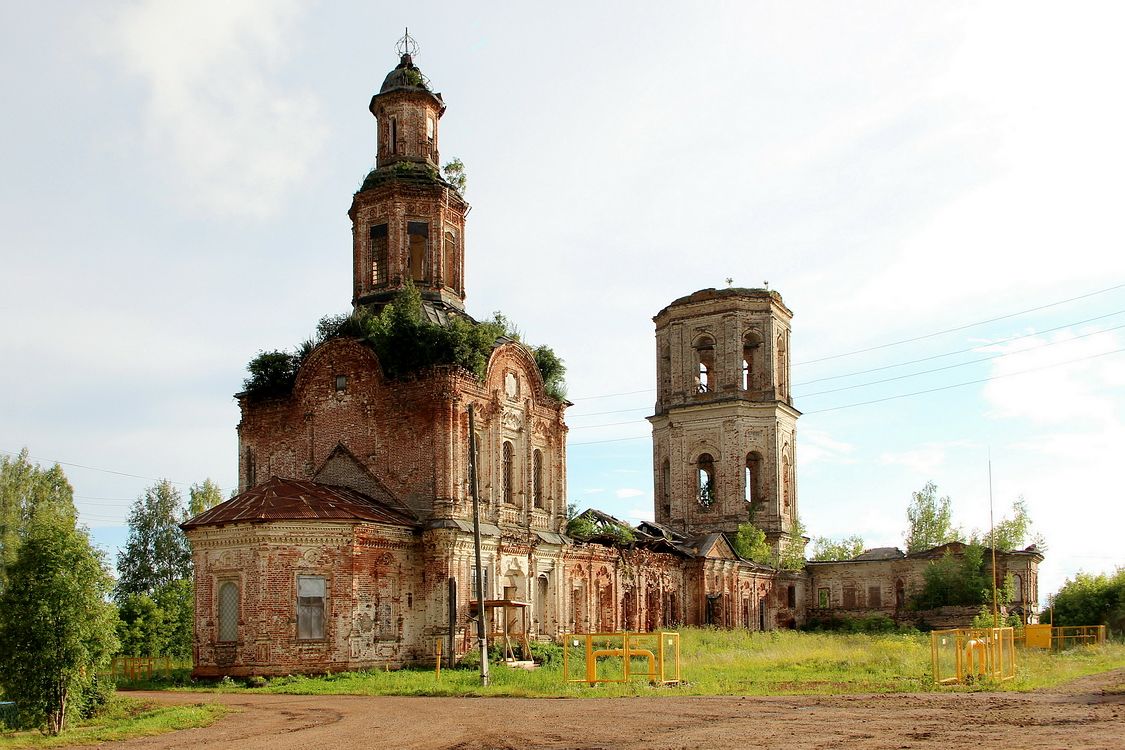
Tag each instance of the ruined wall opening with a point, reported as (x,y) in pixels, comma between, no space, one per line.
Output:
(753,478)
(750,347)
(666,486)
(450,272)
(418,234)
(705,477)
(379,255)
(704,364)
(506,483)
(537,477)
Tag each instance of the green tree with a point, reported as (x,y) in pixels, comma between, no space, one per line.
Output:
(56,627)
(204,496)
(955,580)
(29,494)
(931,520)
(176,602)
(156,552)
(455,175)
(1011,533)
(750,544)
(140,627)
(832,549)
(1091,599)
(793,556)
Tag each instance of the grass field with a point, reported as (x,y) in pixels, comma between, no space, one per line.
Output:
(124,718)
(723,662)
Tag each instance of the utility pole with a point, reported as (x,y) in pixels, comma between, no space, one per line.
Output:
(992,535)
(482,641)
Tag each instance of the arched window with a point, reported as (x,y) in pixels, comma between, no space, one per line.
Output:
(753,493)
(786,480)
(537,477)
(782,369)
(417,233)
(705,364)
(506,472)
(706,478)
(228,611)
(394,136)
(1017,588)
(750,343)
(379,254)
(450,272)
(666,486)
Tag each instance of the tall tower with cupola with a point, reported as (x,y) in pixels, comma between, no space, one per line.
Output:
(724,431)
(408,223)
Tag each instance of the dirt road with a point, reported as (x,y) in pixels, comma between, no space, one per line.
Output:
(1088,713)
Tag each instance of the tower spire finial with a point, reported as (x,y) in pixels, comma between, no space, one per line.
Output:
(406,47)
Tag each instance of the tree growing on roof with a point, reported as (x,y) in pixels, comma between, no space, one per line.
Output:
(836,549)
(750,544)
(930,519)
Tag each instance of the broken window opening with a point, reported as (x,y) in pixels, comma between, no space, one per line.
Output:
(823,598)
(786,480)
(705,364)
(900,594)
(379,254)
(782,369)
(750,343)
(849,597)
(341,383)
(228,612)
(537,477)
(874,597)
(450,272)
(394,136)
(310,607)
(706,477)
(753,475)
(791,597)
(418,233)
(506,472)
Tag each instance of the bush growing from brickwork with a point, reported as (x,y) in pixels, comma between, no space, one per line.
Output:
(405,343)
(952,581)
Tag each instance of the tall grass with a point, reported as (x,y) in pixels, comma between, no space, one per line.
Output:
(725,662)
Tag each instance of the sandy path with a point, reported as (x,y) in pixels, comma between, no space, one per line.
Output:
(1087,713)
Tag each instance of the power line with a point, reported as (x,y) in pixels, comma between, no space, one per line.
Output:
(958,351)
(959,328)
(967,382)
(959,364)
(104,471)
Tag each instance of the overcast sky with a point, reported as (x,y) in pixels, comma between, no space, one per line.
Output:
(177,177)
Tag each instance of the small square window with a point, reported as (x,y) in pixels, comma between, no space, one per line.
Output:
(341,382)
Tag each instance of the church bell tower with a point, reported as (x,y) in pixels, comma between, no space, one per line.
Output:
(408,223)
(724,431)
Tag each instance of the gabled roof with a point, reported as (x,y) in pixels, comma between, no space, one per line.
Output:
(880,553)
(294,499)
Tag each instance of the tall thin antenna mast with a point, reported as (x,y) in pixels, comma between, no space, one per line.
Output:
(992,542)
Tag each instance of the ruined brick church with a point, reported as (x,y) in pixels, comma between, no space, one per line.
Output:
(350,543)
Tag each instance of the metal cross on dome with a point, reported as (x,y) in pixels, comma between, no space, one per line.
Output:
(407,45)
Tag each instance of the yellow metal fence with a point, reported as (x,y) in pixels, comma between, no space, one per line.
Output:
(619,657)
(1060,638)
(136,668)
(966,654)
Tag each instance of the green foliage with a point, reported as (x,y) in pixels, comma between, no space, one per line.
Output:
(589,527)
(1092,599)
(931,520)
(1011,533)
(159,624)
(156,553)
(793,556)
(553,370)
(750,544)
(56,627)
(832,549)
(869,624)
(455,175)
(203,496)
(955,581)
(28,495)
(405,343)
(984,619)
(271,373)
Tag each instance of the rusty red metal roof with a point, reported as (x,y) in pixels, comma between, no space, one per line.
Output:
(294,499)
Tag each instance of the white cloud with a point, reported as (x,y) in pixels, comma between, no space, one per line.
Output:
(625,492)
(639,513)
(817,446)
(219,121)
(926,459)
(1087,385)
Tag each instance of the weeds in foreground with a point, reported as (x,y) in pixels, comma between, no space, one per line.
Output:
(719,662)
(123,718)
